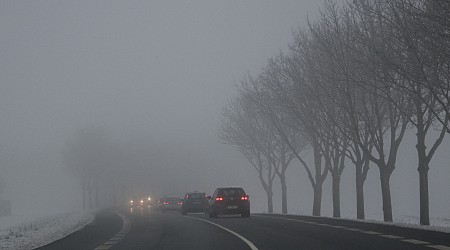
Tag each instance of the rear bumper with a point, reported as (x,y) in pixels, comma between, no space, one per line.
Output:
(170,208)
(232,208)
(195,208)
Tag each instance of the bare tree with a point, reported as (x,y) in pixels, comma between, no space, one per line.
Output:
(86,157)
(289,141)
(414,60)
(254,138)
(277,98)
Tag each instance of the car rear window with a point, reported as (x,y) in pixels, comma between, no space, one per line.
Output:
(196,196)
(232,192)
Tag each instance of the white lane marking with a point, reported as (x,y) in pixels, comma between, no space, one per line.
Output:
(102,247)
(440,247)
(391,236)
(119,236)
(340,227)
(417,242)
(371,232)
(249,243)
(111,242)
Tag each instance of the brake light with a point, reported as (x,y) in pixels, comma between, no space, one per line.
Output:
(219,199)
(166,203)
(180,203)
(244,198)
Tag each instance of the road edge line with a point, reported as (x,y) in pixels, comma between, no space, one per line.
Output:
(249,243)
(126,226)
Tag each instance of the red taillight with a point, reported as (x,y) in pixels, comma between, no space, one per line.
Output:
(244,198)
(219,199)
(180,203)
(166,203)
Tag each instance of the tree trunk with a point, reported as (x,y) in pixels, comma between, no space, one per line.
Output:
(84,197)
(283,194)
(317,199)
(424,198)
(385,175)
(423,177)
(317,203)
(89,199)
(89,193)
(359,192)
(269,201)
(96,195)
(114,194)
(336,195)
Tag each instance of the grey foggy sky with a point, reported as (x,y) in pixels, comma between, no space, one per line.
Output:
(150,69)
(158,71)
(131,65)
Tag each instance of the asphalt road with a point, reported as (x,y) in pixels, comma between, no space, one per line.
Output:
(147,229)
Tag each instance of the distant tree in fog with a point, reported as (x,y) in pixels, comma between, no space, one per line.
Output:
(255,138)
(328,65)
(86,156)
(2,185)
(269,96)
(289,142)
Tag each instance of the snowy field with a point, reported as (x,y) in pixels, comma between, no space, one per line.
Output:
(28,232)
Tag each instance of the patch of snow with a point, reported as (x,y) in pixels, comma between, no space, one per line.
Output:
(26,232)
(438,224)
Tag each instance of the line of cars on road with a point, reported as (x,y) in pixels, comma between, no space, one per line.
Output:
(225,200)
(141,201)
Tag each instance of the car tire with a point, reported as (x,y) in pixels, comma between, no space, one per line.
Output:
(245,214)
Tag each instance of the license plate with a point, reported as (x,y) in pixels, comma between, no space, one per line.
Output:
(232,207)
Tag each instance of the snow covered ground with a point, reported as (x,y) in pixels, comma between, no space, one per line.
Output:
(437,224)
(28,232)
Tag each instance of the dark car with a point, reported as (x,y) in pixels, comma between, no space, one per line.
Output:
(194,203)
(172,203)
(229,200)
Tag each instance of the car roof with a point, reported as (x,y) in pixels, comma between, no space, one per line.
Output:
(230,187)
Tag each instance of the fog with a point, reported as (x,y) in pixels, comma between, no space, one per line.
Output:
(155,76)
